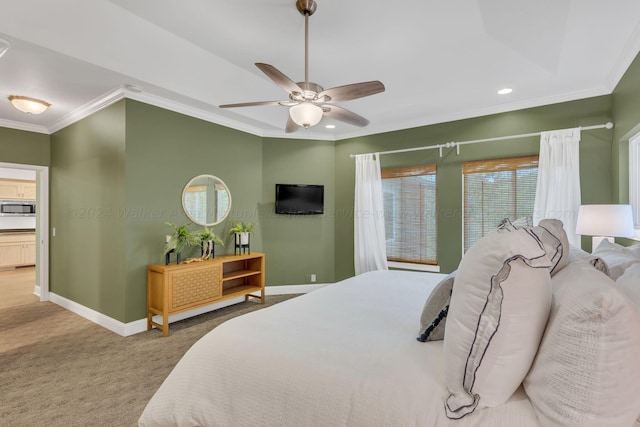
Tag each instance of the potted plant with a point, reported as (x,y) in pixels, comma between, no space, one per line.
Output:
(207,240)
(241,231)
(180,239)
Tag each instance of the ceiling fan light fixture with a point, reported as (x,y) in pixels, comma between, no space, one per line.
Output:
(306,114)
(29,105)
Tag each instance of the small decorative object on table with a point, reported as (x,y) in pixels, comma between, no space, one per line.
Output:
(207,241)
(180,239)
(242,237)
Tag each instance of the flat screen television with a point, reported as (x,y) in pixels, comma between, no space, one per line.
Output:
(299,199)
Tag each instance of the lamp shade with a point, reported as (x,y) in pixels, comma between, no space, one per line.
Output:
(29,105)
(605,220)
(306,114)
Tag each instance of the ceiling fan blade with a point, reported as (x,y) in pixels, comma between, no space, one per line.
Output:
(352,91)
(339,113)
(279,78)
(291,126)
(251,104)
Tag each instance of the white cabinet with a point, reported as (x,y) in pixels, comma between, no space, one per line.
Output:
(17,250)
(17,189)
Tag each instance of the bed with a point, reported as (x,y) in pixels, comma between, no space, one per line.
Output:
(343,355)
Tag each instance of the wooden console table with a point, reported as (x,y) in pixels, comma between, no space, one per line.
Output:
(176,288)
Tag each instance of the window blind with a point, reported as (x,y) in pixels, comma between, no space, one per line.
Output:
(410,214)
(494,190)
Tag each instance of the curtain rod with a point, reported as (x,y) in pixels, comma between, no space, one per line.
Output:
(607,125)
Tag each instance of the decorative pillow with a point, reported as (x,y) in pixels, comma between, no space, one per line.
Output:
(524,221)
(498,311)
(629,283)
(556,243)
(586,372)
(434,313)
(617,257)
(576,254)
(553,238)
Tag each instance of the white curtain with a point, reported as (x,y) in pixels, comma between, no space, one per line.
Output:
(558,187)
(368,218)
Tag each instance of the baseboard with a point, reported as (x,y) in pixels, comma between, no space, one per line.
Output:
(36,291)
(137,326)
(292,289)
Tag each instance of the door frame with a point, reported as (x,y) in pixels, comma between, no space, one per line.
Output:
(42,224)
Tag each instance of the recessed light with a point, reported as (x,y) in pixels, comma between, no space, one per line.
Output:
(133,88)
(505,91)
(330,126)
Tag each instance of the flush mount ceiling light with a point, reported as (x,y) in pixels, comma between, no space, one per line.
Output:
(4,46)
(29,105)
(505,91)
(308,99)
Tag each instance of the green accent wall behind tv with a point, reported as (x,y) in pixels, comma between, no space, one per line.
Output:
(298,246)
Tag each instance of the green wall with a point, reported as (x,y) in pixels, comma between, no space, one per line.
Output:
(595,164)
(298,245)
(87,184)
(626,110)
(164,150)
(27,148)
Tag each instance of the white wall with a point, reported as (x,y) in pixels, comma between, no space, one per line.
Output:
(18,174)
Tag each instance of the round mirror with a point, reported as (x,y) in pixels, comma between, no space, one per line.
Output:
(206,200)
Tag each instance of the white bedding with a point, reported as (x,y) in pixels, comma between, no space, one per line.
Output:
(343,355)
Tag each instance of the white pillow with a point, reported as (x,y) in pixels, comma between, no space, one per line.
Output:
(617,257)
(553,237)
(498,311)
(587,370)
(576,254)
(629,283)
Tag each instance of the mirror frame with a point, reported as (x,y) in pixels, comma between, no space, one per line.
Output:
(184,192)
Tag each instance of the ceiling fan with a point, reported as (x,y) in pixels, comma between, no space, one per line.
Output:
(308,102)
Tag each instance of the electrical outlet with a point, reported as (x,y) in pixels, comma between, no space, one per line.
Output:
(313,278)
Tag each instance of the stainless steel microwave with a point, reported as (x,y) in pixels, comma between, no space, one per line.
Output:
(17,208)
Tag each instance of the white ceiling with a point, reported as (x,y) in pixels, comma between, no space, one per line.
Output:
(439,60)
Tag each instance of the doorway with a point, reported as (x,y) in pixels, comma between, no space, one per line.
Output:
(24,276)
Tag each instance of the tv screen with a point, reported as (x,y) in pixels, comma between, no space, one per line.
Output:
(299,199)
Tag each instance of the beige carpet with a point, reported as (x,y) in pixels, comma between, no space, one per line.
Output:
(58,369)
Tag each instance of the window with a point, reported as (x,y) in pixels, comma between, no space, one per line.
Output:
(410,214)
(497,189)
(634,178)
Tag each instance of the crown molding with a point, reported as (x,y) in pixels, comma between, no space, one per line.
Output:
(87,109)
(627,55)
(304,134)
(479,112)
(11,124)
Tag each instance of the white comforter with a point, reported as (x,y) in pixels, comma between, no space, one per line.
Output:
(343,355)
